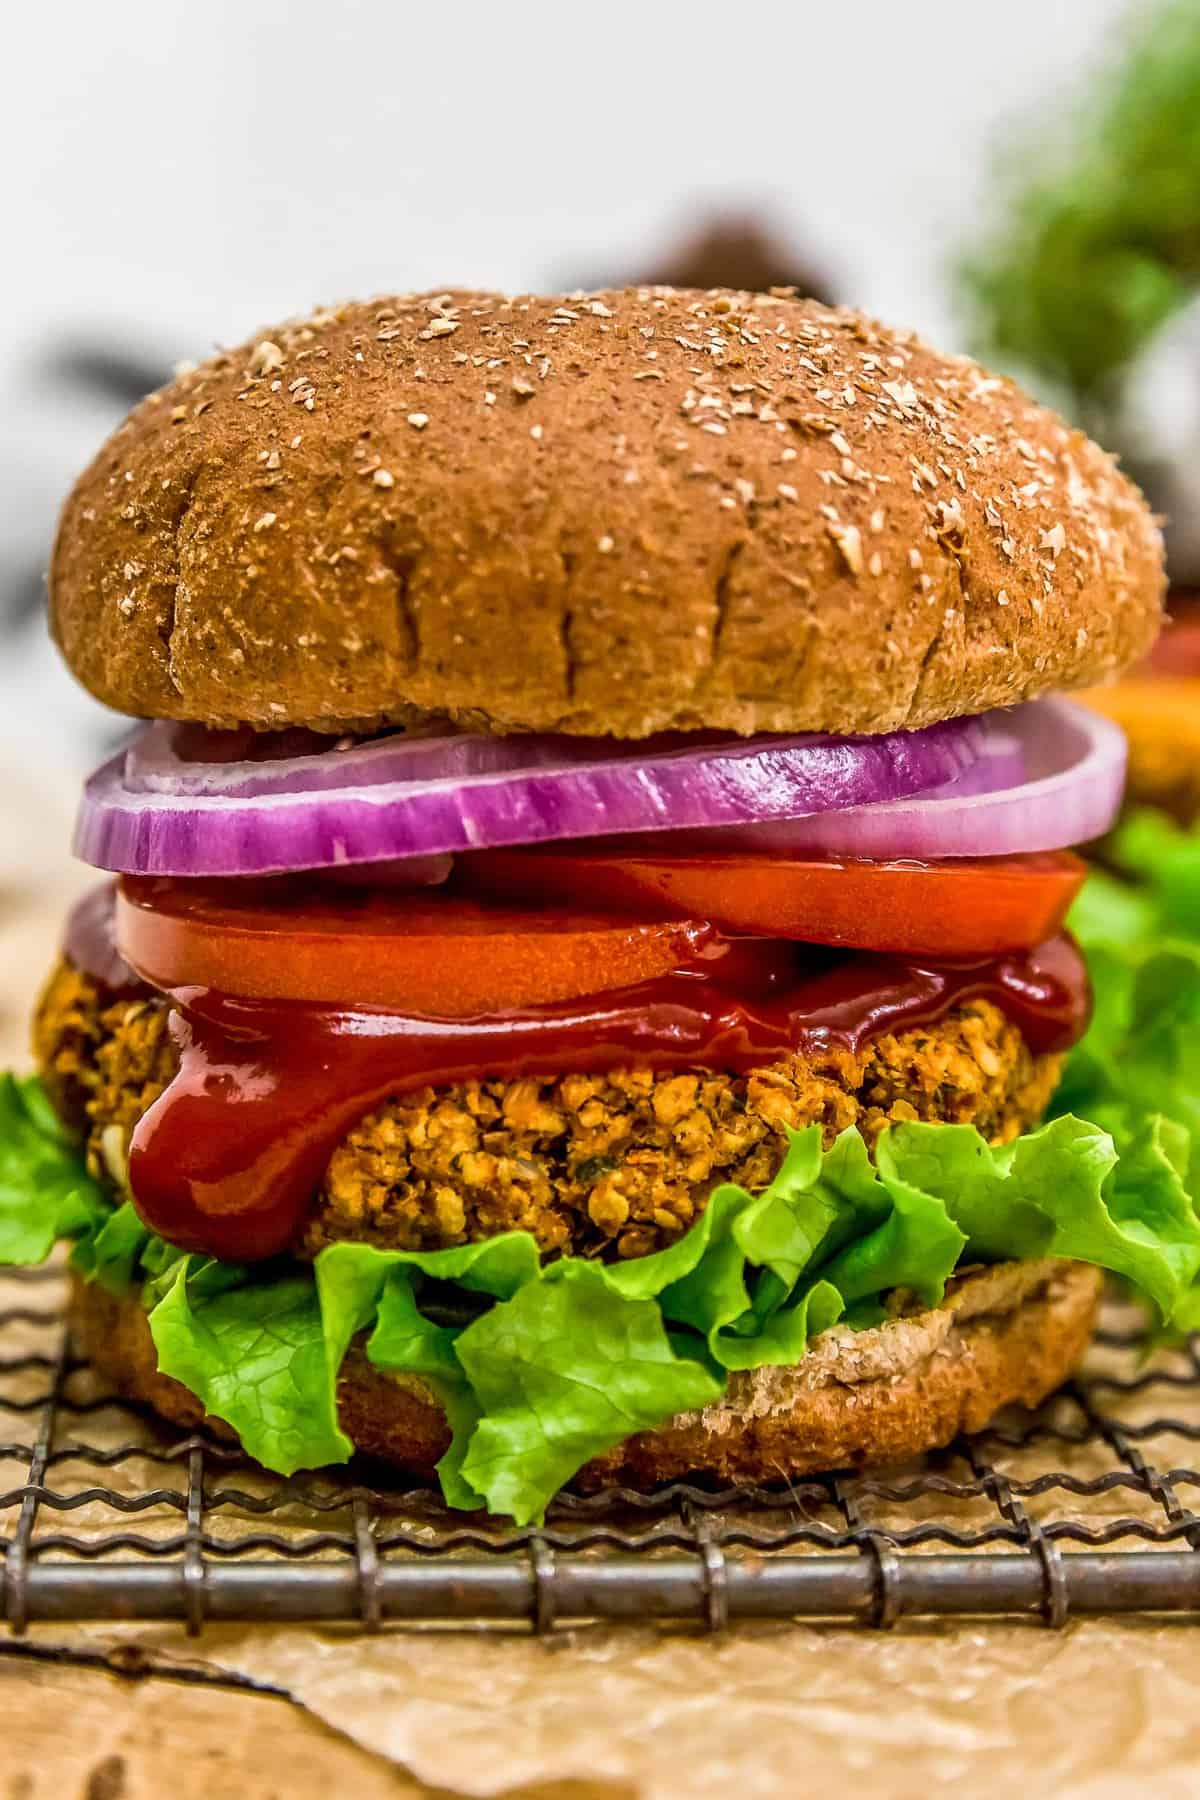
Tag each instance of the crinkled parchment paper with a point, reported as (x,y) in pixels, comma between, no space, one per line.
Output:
(1097,1710)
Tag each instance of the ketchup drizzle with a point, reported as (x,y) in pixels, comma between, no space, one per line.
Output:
(228,1159)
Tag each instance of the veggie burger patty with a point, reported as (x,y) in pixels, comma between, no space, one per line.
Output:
(617,1164)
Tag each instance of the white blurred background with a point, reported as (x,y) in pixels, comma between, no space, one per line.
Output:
(178,174)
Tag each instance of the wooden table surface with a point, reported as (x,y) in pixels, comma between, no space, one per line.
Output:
(84,1733)
(68,1732)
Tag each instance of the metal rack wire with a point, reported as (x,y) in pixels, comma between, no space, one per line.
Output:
(108,1514)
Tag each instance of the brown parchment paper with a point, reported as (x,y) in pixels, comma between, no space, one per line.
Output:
(72,1731)
(1097,1710)
(1101,1709)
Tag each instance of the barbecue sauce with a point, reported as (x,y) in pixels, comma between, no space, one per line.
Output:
(228,1159)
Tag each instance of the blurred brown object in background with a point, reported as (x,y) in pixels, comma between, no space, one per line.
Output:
(736,250)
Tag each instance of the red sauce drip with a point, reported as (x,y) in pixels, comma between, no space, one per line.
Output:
(228,1159)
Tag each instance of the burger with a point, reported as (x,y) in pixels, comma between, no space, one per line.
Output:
(581,978)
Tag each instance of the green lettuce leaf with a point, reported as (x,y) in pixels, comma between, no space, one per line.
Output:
(573,1361)
(352,1278)
(1140,1057)
(769,1240)
(45,1191)
(1112,915)
(899,1235)
(110,1251)
(829,1218)
(405,1339)
(358,1283)
(1163,860)
(252,1349)
(562,1372)
(1062,1191)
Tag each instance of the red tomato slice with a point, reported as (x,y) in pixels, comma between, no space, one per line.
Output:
(960,907)
(442,957)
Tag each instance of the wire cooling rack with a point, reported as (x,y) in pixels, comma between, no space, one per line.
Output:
(1080,1507)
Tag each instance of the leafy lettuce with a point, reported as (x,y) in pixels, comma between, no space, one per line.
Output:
(541,1366)
(1162,859)
(1141,1056)
(45,1191)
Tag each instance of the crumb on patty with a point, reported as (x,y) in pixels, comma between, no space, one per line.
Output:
(617,1164)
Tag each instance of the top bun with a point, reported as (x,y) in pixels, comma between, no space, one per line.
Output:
(606,513)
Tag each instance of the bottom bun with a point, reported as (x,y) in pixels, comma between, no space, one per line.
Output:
(1012,1332)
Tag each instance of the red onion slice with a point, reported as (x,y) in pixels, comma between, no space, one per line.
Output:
(147,812)
(401,872)
(154,763)
(1073,764)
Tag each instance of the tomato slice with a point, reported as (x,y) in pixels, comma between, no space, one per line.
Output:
(443,957)
(960,907)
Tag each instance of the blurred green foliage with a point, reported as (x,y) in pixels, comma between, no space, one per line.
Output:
(1097,235)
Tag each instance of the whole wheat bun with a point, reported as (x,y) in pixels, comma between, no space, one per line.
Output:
(1008,1333)
(618,513)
